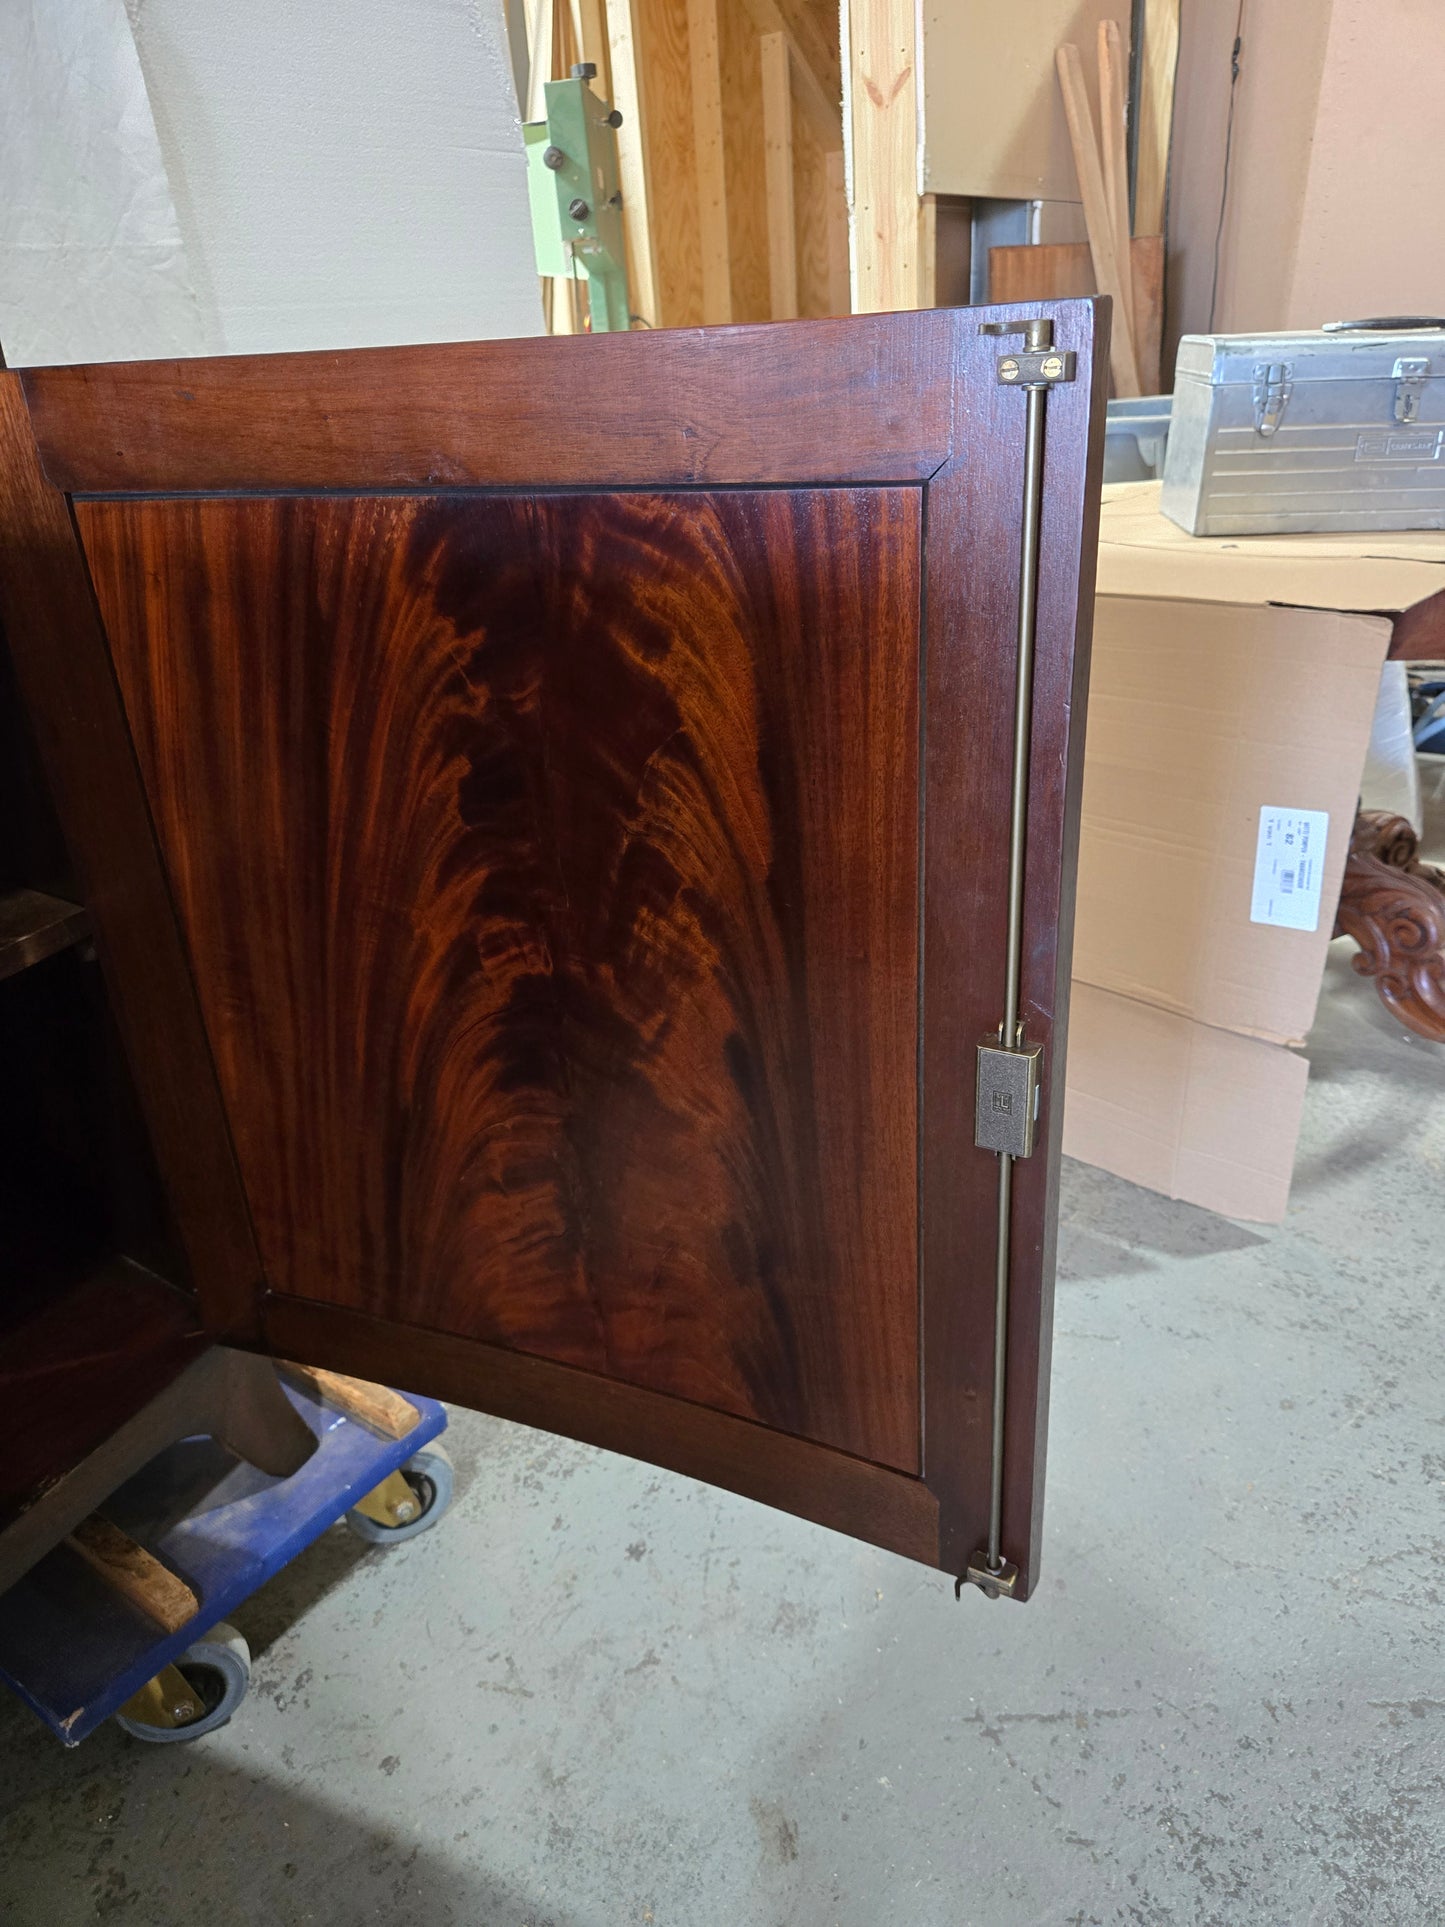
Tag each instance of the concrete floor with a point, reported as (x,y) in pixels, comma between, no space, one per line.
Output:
(602,1695)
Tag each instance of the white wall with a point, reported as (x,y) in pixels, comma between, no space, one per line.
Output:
(1372,226)
(1333,207)
(336,173)
(92,265)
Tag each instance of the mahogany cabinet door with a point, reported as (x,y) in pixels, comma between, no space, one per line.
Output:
(565,808)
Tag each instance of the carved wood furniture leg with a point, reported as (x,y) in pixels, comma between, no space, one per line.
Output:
(1393,905)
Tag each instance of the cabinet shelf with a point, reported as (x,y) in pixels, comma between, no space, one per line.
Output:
(34,926)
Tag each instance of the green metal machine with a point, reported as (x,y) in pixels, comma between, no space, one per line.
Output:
(576,201)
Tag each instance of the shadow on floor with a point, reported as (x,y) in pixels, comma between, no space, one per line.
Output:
(1110,1228)
(275,1853)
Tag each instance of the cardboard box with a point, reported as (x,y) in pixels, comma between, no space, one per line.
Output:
(1182,1107)
(1229,675)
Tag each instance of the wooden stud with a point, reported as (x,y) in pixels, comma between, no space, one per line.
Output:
(1159,55)
(778,154)
(881,129)
(540,18)
(705,61)
(818,87)
(1096,216)
(569,306)
(629,93)
(746,162)
(137,1575)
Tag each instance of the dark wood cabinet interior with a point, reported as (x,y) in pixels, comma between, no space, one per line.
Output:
(94,1317)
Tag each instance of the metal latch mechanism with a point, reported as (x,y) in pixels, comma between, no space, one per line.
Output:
(1046,365)
(1007,1104)
(1410,375)
(1010,1071)
(1272,390)
(575,195)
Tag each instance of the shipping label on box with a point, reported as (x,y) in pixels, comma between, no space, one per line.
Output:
(1289,867)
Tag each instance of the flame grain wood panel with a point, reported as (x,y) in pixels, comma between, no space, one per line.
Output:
(549,868)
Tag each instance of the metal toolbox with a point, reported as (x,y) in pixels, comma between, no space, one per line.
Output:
(1339,428)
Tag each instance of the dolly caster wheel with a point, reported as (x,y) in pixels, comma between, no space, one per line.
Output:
(195,1695)
(412,1500)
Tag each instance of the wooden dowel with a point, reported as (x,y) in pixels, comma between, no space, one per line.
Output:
(1113,145)
(1159,57)
(705,61)
(840,292)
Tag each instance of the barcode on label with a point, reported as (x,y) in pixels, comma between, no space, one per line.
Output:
(1289,867)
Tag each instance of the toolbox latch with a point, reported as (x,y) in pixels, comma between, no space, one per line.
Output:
(1272,390)
(1410,375)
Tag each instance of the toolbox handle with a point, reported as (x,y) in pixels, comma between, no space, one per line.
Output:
(1387,323)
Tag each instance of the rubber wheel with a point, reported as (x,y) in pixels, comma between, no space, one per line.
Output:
(431,1475)
(218,1668)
